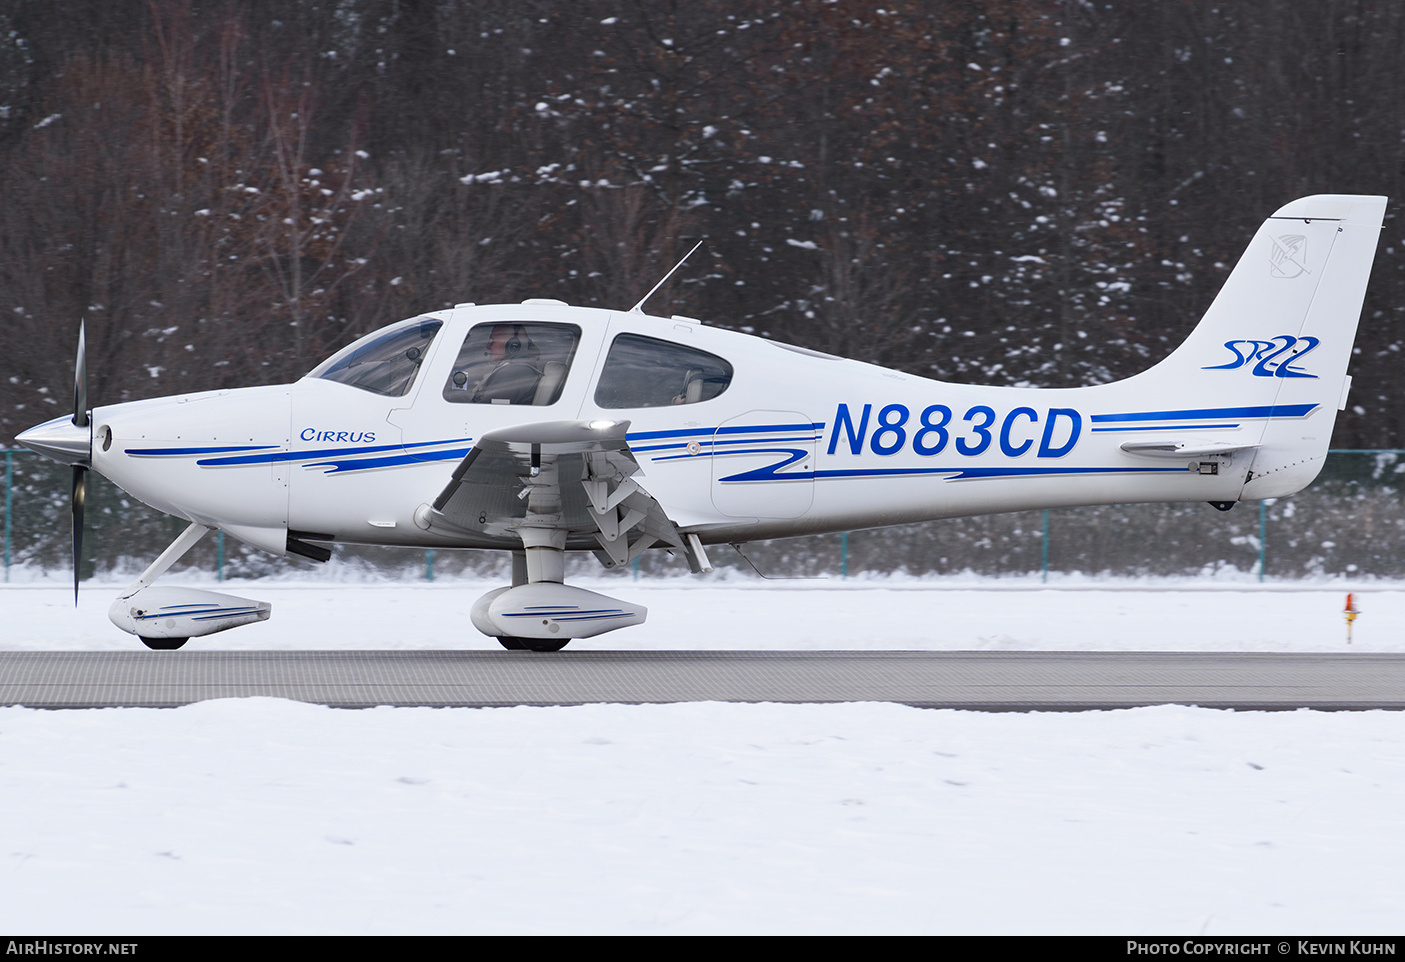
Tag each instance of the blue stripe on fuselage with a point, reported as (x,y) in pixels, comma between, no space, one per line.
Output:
(1261,411)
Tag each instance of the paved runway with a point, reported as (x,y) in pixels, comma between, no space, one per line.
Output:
(993,681)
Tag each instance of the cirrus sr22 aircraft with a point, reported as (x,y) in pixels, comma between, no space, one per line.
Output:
(539,428)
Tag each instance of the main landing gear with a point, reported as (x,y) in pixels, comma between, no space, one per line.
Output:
(539,613)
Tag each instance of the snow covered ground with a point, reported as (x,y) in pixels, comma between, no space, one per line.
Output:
(893,614)
(267,816)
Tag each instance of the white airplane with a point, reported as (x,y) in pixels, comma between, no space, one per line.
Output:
(540,428)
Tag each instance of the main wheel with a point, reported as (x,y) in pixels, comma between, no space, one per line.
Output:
(163,644)
(532,644)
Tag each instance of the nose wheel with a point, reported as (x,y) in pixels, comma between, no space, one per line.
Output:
(163,644)
(531,644)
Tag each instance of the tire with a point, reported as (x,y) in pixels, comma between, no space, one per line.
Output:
(532,644)
(163,644)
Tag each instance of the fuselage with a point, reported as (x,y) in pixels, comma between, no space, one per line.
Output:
(738,438)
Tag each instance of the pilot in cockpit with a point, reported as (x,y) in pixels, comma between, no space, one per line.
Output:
(507,371)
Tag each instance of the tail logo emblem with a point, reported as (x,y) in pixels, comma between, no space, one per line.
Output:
(1288,258)
(1270,358)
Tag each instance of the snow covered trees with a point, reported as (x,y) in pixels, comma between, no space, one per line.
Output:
(1012,192)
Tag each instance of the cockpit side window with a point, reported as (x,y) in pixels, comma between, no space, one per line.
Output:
(385,362)
(513,362)
(644,372)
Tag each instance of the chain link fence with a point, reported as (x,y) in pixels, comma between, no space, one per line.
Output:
(1350,523)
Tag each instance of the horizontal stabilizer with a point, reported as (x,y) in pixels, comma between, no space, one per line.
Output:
(1162,448)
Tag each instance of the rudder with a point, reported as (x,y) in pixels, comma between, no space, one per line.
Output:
(1310,373)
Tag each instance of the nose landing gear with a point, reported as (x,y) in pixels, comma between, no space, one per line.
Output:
(165,617)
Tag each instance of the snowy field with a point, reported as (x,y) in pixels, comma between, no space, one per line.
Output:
(269,816)
(889,614)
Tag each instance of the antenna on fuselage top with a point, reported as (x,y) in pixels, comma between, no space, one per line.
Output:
(639,308)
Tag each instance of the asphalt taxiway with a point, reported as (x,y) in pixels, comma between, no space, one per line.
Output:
(991,681)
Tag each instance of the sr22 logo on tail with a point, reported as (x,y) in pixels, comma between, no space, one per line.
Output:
(1271,362)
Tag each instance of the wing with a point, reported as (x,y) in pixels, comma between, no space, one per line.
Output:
(574,477)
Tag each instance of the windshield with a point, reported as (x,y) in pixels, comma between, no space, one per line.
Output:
(384,362)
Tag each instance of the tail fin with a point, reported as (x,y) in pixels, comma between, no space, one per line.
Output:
(1273,347)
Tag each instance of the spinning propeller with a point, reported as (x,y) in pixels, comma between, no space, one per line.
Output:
(80,469)
(70,441)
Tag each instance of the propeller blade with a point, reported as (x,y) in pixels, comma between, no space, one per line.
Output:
(80,495)
(80,381)
(80,472)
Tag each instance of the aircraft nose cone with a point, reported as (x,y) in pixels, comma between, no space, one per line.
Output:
(60,440)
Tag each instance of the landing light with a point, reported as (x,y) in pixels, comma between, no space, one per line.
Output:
(602,425)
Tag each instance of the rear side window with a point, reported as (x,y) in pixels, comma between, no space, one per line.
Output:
(645,372)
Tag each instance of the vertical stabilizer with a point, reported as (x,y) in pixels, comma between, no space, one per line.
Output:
(1273,348)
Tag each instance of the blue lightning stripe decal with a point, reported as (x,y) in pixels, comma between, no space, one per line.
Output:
(975,474)
(771,472)
(173,452)
(881,472)
(336,460)
(742,429)
(196,612)
(708,442)
(566,613)
(225,613)
(969,474)
(282,456)
(1166,427)
(1262,411)
(366,464)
